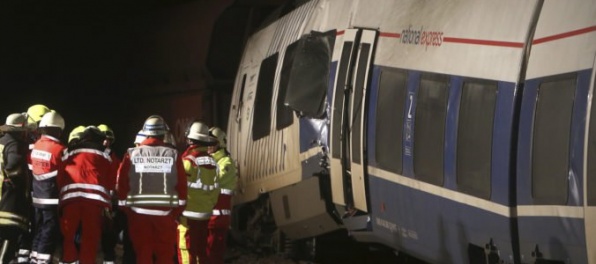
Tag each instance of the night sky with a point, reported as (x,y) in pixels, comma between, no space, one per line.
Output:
(64,54)
(94,60)
(73,56)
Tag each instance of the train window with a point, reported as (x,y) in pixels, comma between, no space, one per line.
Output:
(551,135)
(285,116)
(309,77)
(429,128)
(261,120)
(474,137)
(390,120)
(591,181)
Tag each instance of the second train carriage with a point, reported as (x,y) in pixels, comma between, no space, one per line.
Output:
(453,131)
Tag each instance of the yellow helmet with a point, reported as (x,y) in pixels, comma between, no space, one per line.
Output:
(76,133)
(36,112)
(220,135)
(107,131)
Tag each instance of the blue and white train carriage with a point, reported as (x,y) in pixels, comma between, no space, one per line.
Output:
(453,131)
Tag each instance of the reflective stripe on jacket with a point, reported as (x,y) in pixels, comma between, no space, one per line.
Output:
(86,177)
(152,177)
(46,160)
(201,172)
(227,180)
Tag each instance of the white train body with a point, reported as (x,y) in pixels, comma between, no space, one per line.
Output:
(448,130)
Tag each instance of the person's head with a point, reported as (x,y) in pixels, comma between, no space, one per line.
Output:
(221,137)
(109,134)
(16,124)
(92,135)
(75,135)
(198,134)
(52,124)
(155,126)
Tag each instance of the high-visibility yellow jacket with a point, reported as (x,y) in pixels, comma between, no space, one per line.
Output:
(201,173)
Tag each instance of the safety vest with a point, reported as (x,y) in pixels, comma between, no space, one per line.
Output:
(227,180)
(202,187)
(153,177)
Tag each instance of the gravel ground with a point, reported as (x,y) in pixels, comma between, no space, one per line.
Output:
(242,256)
(233,256)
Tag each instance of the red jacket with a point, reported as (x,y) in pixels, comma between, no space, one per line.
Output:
(87,177)
(124,186)
(46,164)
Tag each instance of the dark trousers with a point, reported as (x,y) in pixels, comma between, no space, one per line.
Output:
(46,234)
(109,238)
(121,227)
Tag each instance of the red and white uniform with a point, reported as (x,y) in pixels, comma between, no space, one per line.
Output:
(152,191)
(46,165)
(84,195)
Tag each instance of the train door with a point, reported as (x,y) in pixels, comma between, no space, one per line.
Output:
(590,186)
(348,164)
(236,122)
(239,124)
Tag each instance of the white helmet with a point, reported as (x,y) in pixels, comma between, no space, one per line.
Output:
(219,134)
(199,131)
(52,119)
(140,137)
(15,122)
(154,126)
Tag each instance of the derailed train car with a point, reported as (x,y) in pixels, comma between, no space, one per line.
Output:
(453,131)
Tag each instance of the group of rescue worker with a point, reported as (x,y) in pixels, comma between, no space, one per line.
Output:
(80,197)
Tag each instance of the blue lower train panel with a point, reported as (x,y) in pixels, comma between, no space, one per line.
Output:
(439,230)
(553,238)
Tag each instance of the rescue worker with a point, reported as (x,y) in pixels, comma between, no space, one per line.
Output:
(14,185)
(46,165)
(85,188)
(73,139)
(34,114)
(227,179)
(201,170)
(109,237)
(152,191)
